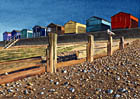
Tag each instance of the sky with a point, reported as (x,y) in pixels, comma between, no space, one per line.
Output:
(24,14)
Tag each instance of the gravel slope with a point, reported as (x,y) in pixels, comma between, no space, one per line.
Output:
(111,77)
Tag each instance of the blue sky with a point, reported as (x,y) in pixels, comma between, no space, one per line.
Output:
(19,14)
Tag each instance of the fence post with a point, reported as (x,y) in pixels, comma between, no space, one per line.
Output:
(109,46)
(121,44)
(52,53)
(90,49)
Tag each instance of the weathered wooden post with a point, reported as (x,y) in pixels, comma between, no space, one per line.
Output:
(52,53)
(109,46)
(90,49)
(121,44)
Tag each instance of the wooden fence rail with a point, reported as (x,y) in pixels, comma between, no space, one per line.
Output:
(5,67)
(52,52)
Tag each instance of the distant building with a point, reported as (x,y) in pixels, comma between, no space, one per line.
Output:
(97,24)
(55,28)
(16,34)
(6,36)
(25,33)
(123,20)
(39,31)
(74,27)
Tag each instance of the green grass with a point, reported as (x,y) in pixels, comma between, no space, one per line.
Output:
(14,54)
(20,53)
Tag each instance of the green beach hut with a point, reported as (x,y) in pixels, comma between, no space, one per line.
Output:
(25,33)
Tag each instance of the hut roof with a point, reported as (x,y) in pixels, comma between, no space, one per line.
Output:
(55,25)
(74,22)
(99,18)
(16,30)
(39,26)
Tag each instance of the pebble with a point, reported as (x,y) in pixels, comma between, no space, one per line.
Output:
(84,71)
(126,73)
(118,78)
(135,95)
(64,71)
(109,91)
(135,83)
(89,70)
(7,85)
(79,70)
(29,84)
(43,88)
(56,83)
(13,85)
(51,90)
(99,71)
(127,81)
(98,89)
(51,81)
(19,97)
(92,76)
(6,73)
(66,83)
(10,90)
(66,77)
(107,68)
(42,93)
(1,92)
(17,89)
(122,90)
(72,90)
(25,92)
(117,96)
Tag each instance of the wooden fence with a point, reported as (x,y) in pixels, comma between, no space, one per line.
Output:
(23,68)
(36,67)
(52,52)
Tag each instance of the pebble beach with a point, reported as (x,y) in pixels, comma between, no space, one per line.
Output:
(110,77)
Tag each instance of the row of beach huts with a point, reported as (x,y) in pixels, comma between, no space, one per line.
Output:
(119,21)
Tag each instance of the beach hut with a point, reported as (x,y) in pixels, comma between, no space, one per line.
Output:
(6,36)
(39,31)
(123,20)
(25,33)
(55,28)
(16,34)
(74,27)
(97,24)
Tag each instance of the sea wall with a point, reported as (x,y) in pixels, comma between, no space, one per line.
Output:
(69,38)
